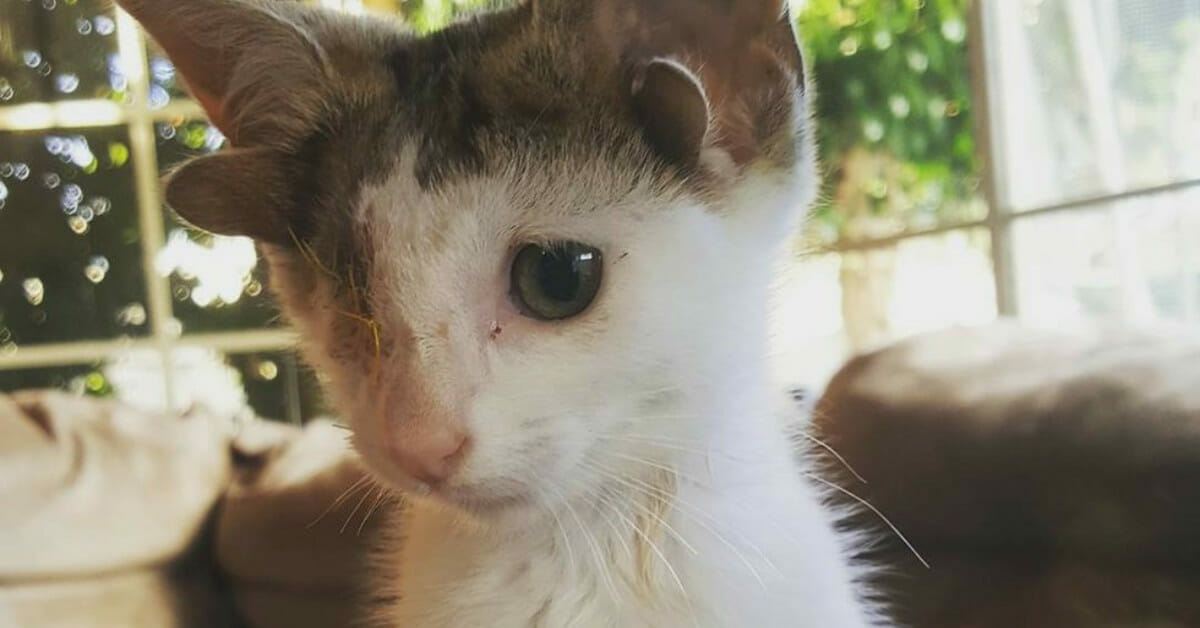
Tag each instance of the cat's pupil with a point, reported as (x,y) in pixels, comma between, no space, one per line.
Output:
(558,276)
(557,281)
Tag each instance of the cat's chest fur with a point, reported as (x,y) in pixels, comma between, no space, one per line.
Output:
(762,559)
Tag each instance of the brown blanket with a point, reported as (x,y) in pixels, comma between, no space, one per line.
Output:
(1052,479)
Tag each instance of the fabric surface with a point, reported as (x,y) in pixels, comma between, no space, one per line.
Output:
(1058,471)
(296,526)
(110,486)
(104,512)
(180,596)
(110,516)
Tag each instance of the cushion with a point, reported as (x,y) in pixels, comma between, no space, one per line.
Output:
(104,510)
(297,525)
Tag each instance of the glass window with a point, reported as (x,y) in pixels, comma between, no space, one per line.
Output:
(833,305)
(165,85)
(279,386)
(217,283)
(81,379)
(59,50)
(70,247)
(1135,260)
(1093,97)
(896,118)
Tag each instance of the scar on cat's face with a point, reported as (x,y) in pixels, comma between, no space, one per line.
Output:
(444,215)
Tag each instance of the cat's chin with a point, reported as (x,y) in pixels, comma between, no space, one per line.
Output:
(483,502)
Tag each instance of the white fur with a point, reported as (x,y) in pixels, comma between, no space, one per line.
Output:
(626,467)
(659,389)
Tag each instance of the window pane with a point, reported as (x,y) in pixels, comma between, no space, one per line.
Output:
(272,385)
(831,306)
(895,117)
(165,84)
(218,283)
(82,379)
(269,385)
(808,337)
(279,387)
(1093,97)
(58,50)
(70,256)
(1135,261)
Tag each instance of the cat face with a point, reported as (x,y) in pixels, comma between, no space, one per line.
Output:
(521,250)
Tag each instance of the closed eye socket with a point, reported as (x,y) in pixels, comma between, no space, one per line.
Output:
(556,281)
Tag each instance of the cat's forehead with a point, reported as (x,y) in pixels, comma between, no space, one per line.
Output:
(489,130)
(482,93)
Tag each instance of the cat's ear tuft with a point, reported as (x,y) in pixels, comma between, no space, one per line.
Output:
(672,110)
(238,192)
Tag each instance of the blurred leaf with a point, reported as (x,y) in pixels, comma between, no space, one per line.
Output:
(902,93)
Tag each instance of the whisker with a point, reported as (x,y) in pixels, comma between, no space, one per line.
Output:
(666,563)
(877,512)
(606,501)
(310,255)
(633,526)
(353,488)
(596,553)
(673,447)
(823,445)
(695,514)
(383,497)
(563,529)
(649,463)
(649,512)
(362,501)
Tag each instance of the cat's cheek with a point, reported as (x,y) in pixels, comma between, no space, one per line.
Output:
(505,320)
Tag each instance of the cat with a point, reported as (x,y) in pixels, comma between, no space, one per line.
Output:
(531,254)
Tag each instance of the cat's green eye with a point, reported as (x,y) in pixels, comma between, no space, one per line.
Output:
(556,281)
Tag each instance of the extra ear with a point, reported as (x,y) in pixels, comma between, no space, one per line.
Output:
(742,55)
(670,106)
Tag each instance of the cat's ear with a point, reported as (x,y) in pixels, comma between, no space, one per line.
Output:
(261,73)
(742,54)
(252,65)
(241,191)
(672,109)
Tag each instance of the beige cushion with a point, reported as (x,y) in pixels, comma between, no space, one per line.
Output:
(103,510)
(92,486)
(293,535)
(187,596)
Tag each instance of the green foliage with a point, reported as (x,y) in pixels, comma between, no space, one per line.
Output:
(892,78)
(429,15)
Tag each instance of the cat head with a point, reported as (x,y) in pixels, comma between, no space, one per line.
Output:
(518,246)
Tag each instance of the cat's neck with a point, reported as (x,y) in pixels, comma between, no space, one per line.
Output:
(725,531)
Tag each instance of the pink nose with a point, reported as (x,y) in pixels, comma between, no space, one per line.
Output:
(430,457)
